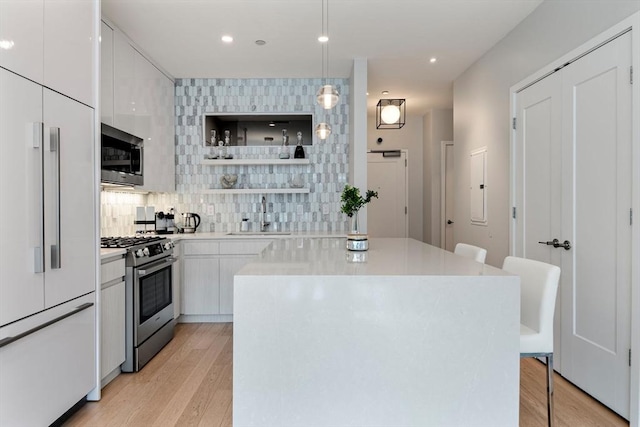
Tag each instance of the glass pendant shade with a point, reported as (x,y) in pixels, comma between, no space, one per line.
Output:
(328,97)
(323,130)
(390,114)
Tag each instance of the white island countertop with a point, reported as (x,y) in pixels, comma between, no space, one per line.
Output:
(404,334)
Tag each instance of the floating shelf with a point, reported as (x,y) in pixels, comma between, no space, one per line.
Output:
(257,191)
(238,162)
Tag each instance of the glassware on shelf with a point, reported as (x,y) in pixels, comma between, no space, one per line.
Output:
(299,153)
(284,149)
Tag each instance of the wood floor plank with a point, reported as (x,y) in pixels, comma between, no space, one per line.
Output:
(189,383)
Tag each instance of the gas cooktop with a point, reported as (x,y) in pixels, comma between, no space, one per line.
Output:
(126,242)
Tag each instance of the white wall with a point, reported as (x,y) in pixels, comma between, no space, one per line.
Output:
(481,103)
(409,137)
(437,127)
(358,131)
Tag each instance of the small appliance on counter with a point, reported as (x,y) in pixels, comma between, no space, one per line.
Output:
(191,221)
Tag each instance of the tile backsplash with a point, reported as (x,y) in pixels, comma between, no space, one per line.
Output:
(325,176)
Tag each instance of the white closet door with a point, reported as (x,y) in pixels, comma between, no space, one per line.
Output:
(573,182)
(596,293)
(539,182)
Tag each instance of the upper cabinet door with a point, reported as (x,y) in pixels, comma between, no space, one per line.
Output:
(124,93)
(22,37)
(69,48)
(106,74)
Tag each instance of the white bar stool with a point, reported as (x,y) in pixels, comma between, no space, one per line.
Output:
(538,289)
(474,252)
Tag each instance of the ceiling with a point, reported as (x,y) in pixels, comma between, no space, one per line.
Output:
(397,37)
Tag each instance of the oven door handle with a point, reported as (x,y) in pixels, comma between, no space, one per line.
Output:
(153,267)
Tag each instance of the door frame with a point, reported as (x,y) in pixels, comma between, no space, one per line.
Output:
(443,191)
(632,23)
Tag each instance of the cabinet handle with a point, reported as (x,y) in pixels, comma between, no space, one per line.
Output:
(37,132)
(54,147)
(9,340)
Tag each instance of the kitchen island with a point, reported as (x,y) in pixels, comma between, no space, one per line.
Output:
(405,334)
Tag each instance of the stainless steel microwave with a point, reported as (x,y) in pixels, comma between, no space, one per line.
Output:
(122,157)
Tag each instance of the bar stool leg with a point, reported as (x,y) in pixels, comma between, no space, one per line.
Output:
(550,412)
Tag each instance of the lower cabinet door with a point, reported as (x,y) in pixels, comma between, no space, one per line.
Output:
(228,267)
(112,328)
(45,373)
(201,286)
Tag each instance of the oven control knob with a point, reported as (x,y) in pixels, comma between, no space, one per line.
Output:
(139,253)
(145,251)
(168,245)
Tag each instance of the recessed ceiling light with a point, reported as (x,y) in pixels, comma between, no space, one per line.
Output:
(434,59)
(367,93)
(323,39)
(261,42)
(227,39)
(385,92)
(6,44)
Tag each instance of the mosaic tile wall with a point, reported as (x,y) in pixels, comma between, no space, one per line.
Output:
(118,211)
(325,176)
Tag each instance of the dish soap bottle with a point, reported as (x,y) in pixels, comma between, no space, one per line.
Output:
(284,150)
(299,153)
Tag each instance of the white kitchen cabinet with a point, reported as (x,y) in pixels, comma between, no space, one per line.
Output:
(21,26)
(229,266)
(106,74)
(176,280)
(208,270)
(112,329)
(201,277)
(112,318)
(69,28)
(124,93)
(143,101)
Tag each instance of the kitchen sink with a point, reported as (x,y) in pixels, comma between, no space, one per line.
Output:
(259,233)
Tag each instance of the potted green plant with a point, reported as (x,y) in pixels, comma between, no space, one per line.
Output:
(352,201)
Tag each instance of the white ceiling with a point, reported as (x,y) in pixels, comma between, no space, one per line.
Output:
(398,37)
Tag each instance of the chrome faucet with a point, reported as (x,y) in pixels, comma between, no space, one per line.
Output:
(263,216)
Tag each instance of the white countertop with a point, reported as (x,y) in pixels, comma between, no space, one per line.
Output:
(385,257)
(253,235)
(110,252)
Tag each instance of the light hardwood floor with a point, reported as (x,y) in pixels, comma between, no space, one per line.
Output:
(189,383)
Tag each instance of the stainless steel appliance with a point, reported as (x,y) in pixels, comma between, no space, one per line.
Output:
(121,158)
(149,300)
(191,222)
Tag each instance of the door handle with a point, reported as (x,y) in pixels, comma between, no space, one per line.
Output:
(56,249)
(449,222)
(556,244)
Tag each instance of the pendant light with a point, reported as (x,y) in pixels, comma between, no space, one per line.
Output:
(327,95)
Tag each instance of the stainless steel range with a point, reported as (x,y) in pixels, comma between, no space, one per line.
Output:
(149,301)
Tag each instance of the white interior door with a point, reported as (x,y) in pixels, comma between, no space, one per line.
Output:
(387,215)
(446,196)
(573,182)
(596,307)
(538,175)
